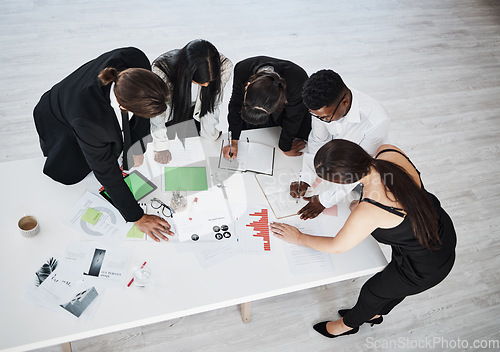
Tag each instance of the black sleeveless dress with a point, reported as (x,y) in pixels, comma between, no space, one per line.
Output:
(413,268)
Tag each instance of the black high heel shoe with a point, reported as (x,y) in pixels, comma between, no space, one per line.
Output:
(372,322)
(321,328)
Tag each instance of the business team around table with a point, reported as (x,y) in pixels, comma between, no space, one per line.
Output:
(84,126)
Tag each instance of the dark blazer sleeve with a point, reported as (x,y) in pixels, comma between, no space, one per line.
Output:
(96,145)
(99,143)
(242,71)
(297,116)
(140,128)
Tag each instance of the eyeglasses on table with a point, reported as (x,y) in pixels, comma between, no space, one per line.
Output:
(165,209)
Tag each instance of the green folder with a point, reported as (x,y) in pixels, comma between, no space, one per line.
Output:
(185,178)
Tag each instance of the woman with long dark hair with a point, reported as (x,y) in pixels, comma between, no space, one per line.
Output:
(196,76)
(396,210)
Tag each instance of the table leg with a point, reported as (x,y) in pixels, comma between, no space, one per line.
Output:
(66,347)
(246,311)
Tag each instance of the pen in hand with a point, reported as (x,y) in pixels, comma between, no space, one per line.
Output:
(230,137)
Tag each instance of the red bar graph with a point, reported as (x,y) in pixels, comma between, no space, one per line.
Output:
(261,227)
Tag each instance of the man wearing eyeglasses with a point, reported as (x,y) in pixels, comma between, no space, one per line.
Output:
(337,112)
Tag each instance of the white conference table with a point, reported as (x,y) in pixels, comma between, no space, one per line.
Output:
(181,286)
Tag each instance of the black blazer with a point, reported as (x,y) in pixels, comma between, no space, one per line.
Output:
(295,120)
(79,131)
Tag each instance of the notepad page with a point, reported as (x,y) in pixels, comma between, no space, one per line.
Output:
(237,164)
(260,158)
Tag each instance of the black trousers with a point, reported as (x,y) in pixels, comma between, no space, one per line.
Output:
(386,289)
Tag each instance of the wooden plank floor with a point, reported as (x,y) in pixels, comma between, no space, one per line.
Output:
(435,65)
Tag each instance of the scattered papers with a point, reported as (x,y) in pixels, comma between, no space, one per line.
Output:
(95,218)
(65,292)
(72,284)
(99,262)
(207,218)
(304,260)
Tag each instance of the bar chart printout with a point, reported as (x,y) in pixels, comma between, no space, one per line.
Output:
(261,227)
(253,231)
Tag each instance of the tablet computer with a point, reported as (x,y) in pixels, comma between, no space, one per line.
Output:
(138,184)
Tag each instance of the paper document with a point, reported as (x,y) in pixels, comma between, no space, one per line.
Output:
(65,292)
(276,188)
(99,263)
(304,260)
(209,254)
(253,232)
(96,219)
(206,218)
(255,157)
(186,152)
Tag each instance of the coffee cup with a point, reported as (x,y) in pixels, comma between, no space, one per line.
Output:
(28,226)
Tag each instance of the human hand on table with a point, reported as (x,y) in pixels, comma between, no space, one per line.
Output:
(297,146)
(163,156)
(311,209)
(286,232)
(154,227)
(234,150)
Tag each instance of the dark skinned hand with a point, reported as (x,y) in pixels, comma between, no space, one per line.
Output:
(297,146)
(294,189)
(311,209)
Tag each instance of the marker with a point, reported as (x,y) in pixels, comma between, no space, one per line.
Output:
(230,137)
(130,283)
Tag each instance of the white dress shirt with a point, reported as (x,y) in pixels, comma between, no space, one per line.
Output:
(366,124)
(116,106)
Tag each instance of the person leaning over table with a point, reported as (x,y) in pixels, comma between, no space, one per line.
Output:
(268,92)
(395,209)
(79,124)
(196,76)
(337,112)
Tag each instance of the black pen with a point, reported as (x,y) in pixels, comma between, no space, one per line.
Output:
(230,136)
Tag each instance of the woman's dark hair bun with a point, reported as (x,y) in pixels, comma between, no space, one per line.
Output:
(108,75)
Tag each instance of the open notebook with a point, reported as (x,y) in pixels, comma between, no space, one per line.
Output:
(255,157)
